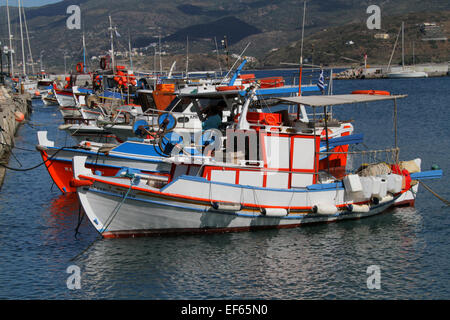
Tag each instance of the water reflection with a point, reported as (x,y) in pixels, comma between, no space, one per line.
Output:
(327,261)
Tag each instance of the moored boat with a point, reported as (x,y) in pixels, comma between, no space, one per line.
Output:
(281,186)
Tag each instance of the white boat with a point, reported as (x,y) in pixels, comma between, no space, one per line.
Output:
(404,72)
(235,191)
(407,73)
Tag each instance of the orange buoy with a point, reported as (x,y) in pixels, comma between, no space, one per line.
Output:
(19,116)
(372,92)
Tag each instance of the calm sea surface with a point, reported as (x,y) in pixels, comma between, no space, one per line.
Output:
(411,246)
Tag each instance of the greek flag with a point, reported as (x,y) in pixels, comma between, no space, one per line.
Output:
(321,82)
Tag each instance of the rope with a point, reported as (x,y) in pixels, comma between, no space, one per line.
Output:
(80,219)
(117,208)
(38,165)
(447,203)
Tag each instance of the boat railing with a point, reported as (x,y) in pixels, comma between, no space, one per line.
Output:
(364,158)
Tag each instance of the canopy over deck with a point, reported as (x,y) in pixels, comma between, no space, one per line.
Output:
(332,100)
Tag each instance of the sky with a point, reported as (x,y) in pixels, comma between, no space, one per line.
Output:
(29,3)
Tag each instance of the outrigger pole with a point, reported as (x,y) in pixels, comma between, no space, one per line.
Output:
(301,51)
(301,59)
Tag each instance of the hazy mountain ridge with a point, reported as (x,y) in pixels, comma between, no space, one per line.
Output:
(268,25)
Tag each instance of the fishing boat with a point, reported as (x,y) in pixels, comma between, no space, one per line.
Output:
(278,185)
(142,149)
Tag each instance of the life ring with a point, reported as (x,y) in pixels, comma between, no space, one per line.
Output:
(80,67)
(372,92)
(229,88)
(271,120)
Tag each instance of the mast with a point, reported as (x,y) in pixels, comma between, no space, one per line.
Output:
(218,58)
(11,62)
(112,43)
(84,54)
(28,39)
(393,50)
(403,45)
(187,56)
(129,49)
(21,37)
(160,61)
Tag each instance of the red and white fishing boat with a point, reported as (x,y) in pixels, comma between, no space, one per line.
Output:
(143,153)
(281,186)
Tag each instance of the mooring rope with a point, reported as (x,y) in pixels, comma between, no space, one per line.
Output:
(117,208)
(38,165)
(447,203)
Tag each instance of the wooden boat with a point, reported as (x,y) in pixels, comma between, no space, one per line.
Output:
(220,191)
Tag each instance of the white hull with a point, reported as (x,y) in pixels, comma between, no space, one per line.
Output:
(190,204)
(146,215)
(408,74)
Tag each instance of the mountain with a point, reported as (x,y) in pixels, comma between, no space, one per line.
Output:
(272,27)
(347,44)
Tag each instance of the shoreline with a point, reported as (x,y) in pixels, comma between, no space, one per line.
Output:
(9,104)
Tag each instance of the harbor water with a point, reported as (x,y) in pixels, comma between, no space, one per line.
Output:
(410,246)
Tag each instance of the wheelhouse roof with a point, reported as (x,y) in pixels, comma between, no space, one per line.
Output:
(332,100)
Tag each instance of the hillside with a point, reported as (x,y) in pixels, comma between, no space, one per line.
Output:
(348,43)
(272,27)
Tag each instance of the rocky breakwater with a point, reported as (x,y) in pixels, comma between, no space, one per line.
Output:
(14,108)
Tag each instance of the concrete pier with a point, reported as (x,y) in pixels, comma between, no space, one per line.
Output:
(12,105)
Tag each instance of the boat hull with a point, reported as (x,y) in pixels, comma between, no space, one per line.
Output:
(59,166)
(144,215)
(411,74)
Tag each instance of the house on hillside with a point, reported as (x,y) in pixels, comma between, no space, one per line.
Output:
(432,32)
